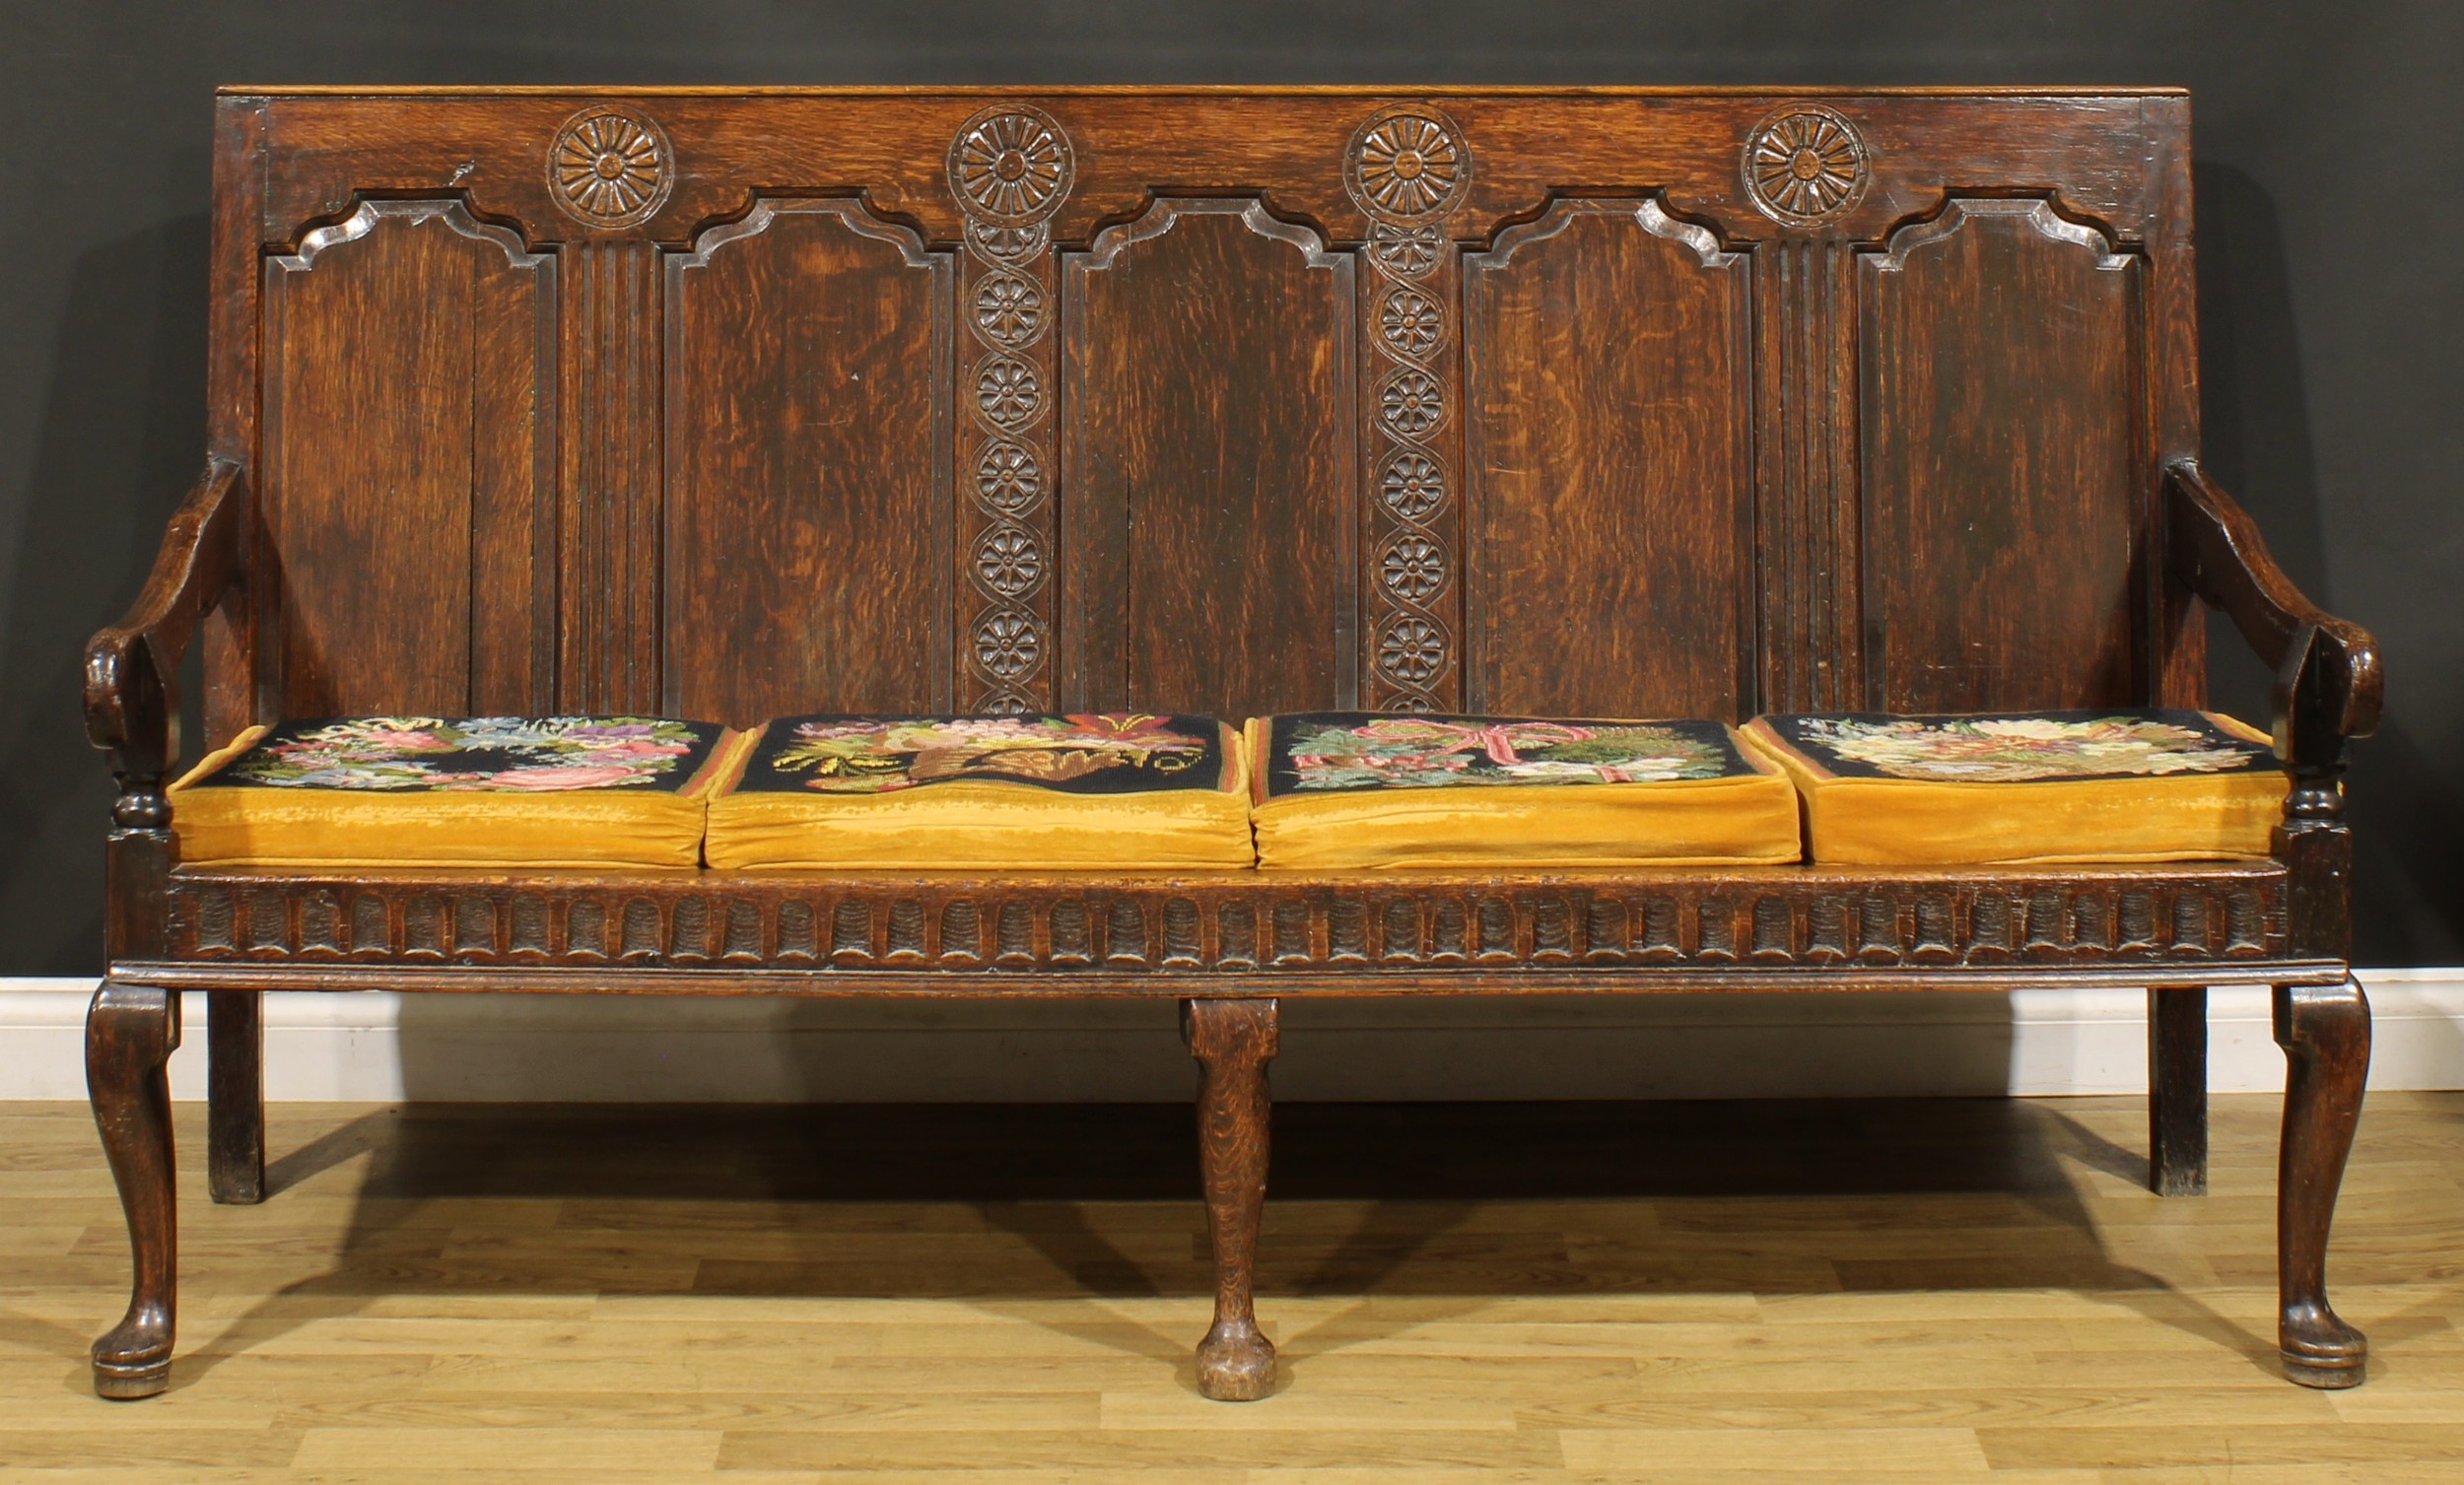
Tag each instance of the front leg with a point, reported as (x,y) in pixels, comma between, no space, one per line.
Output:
(130,1035)
(2325,1032)
(1233,1040)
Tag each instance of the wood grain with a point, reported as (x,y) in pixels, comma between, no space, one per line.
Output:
(1457,1292)
(403,467)
(1611,418)
(1207,471)
(807,506)
(2001,403)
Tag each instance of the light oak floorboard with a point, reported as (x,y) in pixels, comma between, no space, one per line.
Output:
(1946,1291)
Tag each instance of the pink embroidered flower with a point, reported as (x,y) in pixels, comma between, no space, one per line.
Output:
(639,747)
(571,777)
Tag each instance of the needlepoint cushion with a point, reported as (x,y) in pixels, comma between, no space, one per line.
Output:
(2111,784)
(1366,790)
(380,792)
(1087,789)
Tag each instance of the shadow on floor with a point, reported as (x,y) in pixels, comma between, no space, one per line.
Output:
(1014,1207)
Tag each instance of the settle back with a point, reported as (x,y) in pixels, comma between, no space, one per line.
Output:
(1594,403)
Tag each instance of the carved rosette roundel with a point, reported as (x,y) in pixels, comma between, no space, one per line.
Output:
(1805,165)
(1407,163)
(1408,168)
(1010,167)
(610,167)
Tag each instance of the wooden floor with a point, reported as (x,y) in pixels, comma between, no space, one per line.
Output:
(1903,1292)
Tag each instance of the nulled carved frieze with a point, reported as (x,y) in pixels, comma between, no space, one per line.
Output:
(610,167)
(1407,168)
(1805,165)
(1010,167)
(1246,926)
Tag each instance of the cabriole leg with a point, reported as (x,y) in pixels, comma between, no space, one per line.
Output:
(130,1035)
(235,1131)
(1233,1040)
(2177,1091)
(2325,1032)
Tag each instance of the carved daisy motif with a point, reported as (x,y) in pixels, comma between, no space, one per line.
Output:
(1413,568)
(1410,322)
(1411,485)
(609,167)
(1008,560)
(1010,477)
(1412,403)
(1411,650)
(1405,252)
(1009,309)
(1805,165)
(1406,164)
(1005,244)
(1009,392)
(1008,645)
(1012,166)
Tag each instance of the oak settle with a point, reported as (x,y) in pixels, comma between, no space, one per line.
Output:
(736,403)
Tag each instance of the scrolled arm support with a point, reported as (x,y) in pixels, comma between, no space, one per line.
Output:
(2328,681)
(132,707)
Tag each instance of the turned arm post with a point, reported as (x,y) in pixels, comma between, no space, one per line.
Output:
(132,706)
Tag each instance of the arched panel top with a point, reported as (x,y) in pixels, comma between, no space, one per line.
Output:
(1565,211)
(850,213)
(371,214)
(1958,211)
(1168,211)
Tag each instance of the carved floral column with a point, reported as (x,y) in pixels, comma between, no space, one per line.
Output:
(1408,168)
(1011,168)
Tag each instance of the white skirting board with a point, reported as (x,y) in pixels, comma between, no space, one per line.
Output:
(561,1048)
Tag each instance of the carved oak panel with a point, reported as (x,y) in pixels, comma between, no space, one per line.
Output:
(2005,528)
(407,481)
(1207,477)
(1611,409)
(807,507)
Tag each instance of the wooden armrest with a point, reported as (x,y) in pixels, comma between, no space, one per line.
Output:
(131,709)
(2328,682)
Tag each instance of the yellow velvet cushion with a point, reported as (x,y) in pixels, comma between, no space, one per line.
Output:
(1361,789)
(2120,785)
(392,791)
(1116,790)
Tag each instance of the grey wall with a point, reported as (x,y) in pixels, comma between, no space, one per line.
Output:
(2329,228)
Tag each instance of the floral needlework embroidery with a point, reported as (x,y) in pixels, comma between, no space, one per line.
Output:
(1323,751)
(2024,749)
(1083,753)
(479,754)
